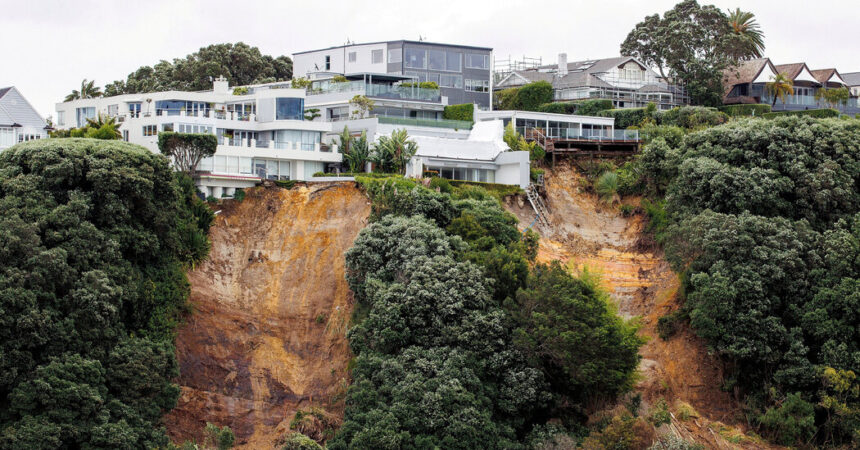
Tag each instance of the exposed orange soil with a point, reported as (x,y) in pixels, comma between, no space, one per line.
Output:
(586,234)
(271,306)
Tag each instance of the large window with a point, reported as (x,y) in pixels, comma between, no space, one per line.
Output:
(289,109)
(415,58)
(193,128)
(352,57)
(82,114)
(465,174)
(436,59)
(227,164)
(454,81)
(475,61)
(61,118)
(134,109)
(478,85)
(395,55)
(338,113)
(307,140)
(376,56)
(113,110)
(175,107)
(453,62)
(150,130)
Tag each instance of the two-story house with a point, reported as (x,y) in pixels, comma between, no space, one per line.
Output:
(625,80)
(19,121)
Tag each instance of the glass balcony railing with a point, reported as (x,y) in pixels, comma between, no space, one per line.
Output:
(454,124)
(576,133)
(390,91)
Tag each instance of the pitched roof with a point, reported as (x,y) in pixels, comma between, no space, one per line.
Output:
(579,73)
(4,90)
(790,70)
(851,79)
(744,72)
(825,75)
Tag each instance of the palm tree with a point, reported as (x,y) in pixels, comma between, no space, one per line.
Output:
(781,87)
(750,38)
(104,127)
(393,152)
(88,90)
(359,153)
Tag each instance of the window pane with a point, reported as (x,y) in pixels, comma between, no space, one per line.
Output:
(376,56)
(453,62)
(395,56)
(289,109)
(415,58)
(436,59)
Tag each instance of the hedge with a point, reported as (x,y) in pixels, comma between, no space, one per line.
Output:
(692,117)
(825,113)
(500,190)
(624,118)
(359,174)
(756,110)
(463,111)
(582,107)
(532,95)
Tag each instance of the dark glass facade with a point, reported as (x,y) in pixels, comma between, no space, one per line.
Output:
(289,109)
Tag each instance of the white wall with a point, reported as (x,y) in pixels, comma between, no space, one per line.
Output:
(306,63)
(514,168)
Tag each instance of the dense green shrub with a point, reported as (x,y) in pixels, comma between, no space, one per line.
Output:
(568,327)
(792,423)
(692,117)
(464,112)
(592,107)
(668,324)
(100,229)
(756,110)
(506,99)
(532,95)
(816,113)
(443,185)
(764,222)
(558,107)
(625,118)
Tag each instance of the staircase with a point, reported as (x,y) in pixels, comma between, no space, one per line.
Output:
(541,211)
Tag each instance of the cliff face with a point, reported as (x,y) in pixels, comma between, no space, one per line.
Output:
(271,307)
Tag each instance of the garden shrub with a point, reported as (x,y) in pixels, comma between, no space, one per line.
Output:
(625,118)
(814,113)
(792,423)
(756,110)
(531,96)
(443,185)
(463,112)
(592,107)
(693,117)
(558,107)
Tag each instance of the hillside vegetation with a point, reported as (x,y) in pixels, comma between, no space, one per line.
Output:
(762,220)
(94,237)
(455,346)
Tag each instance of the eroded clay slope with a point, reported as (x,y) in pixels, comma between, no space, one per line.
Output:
(586,234)
(271,306)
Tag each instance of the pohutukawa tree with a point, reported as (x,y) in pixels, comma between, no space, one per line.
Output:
(187,149)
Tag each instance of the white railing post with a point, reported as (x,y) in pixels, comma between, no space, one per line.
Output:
(272,144)
(316,146)
(253,143)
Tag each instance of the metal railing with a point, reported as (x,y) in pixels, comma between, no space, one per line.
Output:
(577,134)
(441,123)
(399,92)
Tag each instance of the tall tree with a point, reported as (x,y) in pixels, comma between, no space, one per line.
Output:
(88,90)
(240,63)
(748,39)
(393,152)
(187,149)
(779,87)
(691,45)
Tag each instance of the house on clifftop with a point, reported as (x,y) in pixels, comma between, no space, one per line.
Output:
(19,121)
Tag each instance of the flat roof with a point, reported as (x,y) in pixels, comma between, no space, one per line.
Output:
(394,41)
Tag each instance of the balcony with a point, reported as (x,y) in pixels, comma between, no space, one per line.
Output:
(384,91)
(453,124)
(575,134)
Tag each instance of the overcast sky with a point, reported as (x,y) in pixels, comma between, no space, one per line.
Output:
(51,45)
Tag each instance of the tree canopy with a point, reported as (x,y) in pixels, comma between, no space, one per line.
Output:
(692,44)
(240,63)
(93,237)
(186,150)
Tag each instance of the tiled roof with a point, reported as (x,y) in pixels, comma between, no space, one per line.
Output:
(745,72)
(579,73)
(791,70)
(852,79)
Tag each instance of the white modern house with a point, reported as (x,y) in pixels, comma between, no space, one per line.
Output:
(19,121)
(261,132)
(266,131)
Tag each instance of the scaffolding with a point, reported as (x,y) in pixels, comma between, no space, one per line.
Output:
(503,67)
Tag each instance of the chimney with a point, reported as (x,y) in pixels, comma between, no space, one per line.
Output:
(562,64)
(220,86)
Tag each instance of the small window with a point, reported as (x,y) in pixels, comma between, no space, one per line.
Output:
(376,56)
(167,127)
(352,57)
(395,55)
(328,62)
(150,130)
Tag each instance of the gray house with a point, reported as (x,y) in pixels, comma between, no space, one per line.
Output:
(462,72)
(19,121)
(625,80)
